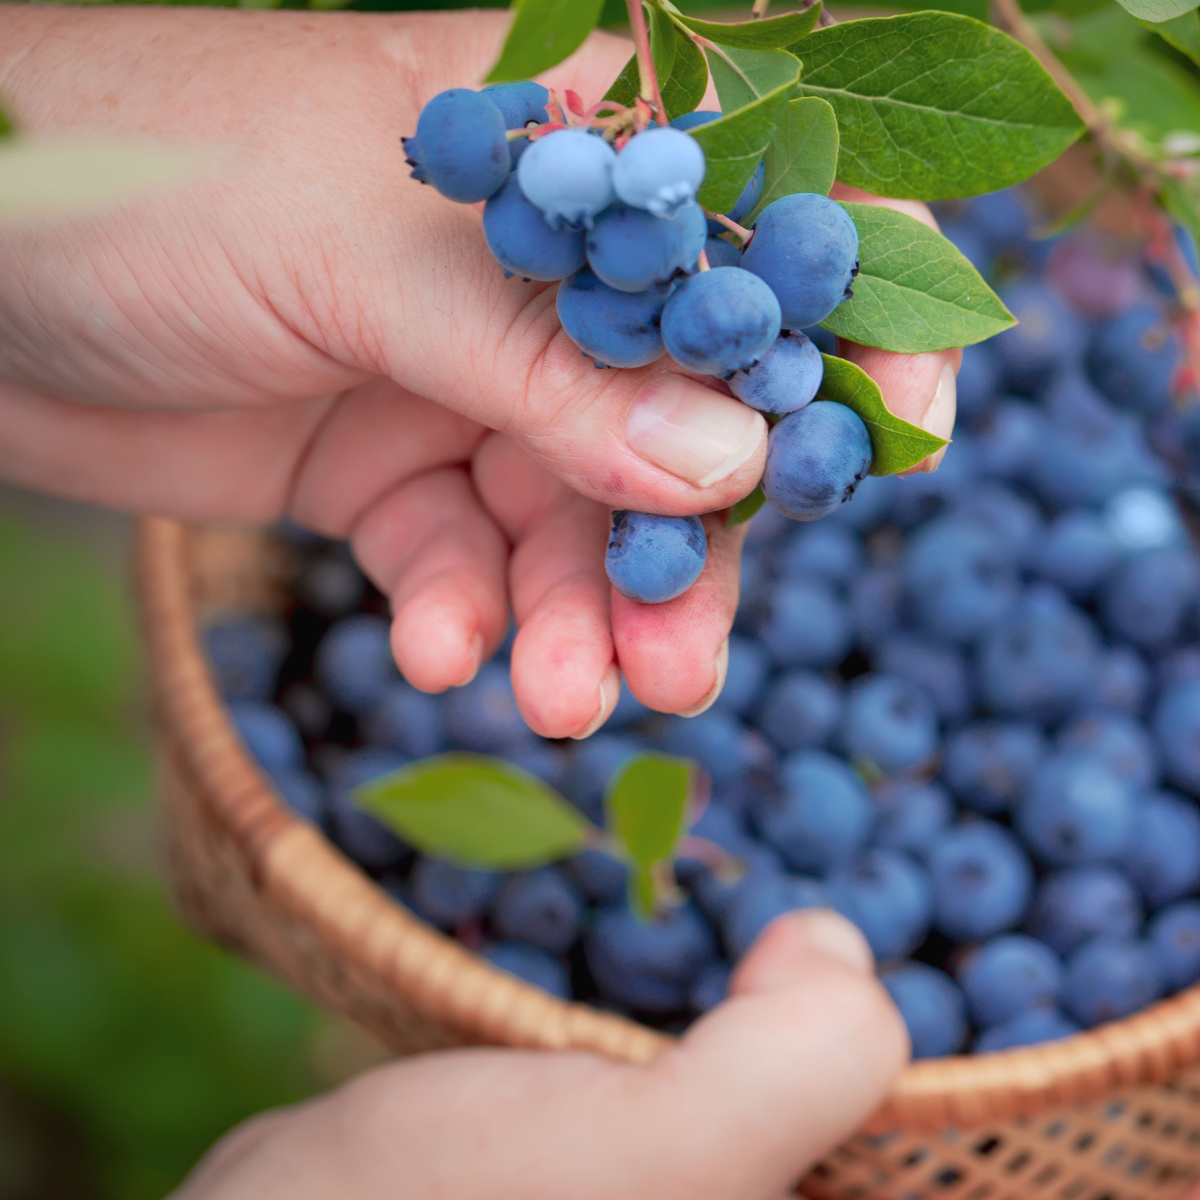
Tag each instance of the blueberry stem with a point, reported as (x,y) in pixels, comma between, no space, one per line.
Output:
(759,10)
(647,76)
(733,227)
(702,263)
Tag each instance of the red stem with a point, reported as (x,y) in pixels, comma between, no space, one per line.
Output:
(647,76)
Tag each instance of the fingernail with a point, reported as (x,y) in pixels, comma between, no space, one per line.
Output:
(830,933)
(720,668)
(939,416)
(610,692)
(692,431)
(475,649)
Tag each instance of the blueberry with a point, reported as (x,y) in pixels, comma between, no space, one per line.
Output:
(245,655)
(1176,725)
(660,170)
(1014,520)
(1028,1028)
(353,662)
(1047,338)
(330,583)
(1175,935)
(940,670)
(1008,438)
(1123,680)
(1150,597)
(568,176)
(889,897)
(872,505)
(631,250)
(616,328)
(629,711)
(594,762)
(764,897)
(532,965)
(719,742)
(302,792)
(599,876)
(816,458)
(541,759)
(1078,552)
(710,987)
(271,738)
(1163,858)
(1000,217)
(800,711)
(521,241)
(717,889)
(745,675)
(1111,977)
(1077,903)
(720,321)
(806,247)
(911,815)
(970,244)
(1145,518)
(652,558)
(890,723)
(1133,359)
(363,837)
(750,193)
(721,253)
(460,146)
(1008,975)
(989,764)
(823,817)
(648,966)
(407,720)
(982,880)
(309,709)
(539,907)
(1076,810)
(805,625)
(932,1006)
(977,381)
(1123,745)
(449,895)
(520,104)
(483,716)
(784,379)
(832,552)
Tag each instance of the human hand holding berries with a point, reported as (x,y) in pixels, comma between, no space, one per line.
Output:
(306,332)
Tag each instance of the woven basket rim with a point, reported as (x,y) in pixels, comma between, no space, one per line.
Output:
(1150,1047)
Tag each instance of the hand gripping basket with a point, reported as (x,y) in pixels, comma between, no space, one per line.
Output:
(1113,1114)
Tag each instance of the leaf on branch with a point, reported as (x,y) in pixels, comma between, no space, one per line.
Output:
(679,63)
(543,33)
(745,508)
(476,811)
(803,154)
(743,76)
(933,105)
(734,146)
(1181,32)
(773,33)
(895,443)
(915,291)
(1158,10)
(624,88)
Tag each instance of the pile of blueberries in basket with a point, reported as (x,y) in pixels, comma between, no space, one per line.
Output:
(964,710)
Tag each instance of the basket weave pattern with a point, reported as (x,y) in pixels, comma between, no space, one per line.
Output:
(1113,1114)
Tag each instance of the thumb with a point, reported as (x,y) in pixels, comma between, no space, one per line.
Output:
(797,1059)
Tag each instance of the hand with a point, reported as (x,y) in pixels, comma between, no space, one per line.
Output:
(304,330)
(799,1056)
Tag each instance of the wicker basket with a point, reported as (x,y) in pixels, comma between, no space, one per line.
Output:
(1113,1114)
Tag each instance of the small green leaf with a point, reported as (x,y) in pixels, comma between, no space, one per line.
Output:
(746,507)
(6,129)
(1181,32)
(931,105)
(624,88)
(543,33)
(734,146)
(772,33)
(478,811)
(681,67)
(915,291)
(647,806)
(643,894)
(895,443)
(743,76)
(1158,10)
(803,154)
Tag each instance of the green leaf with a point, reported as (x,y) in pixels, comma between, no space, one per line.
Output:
(478,811)
(1158,10)
(734,146)
(895,443)
(1181,198)
(931,105)
(59,175)
(743,76)
(543,33)
(1181,32)
(624,88)
(915,291)
(1156,97)
(773,33)
(643,894)
(6,129)
(803,154)
(647,806)
(679,63)
(746,507)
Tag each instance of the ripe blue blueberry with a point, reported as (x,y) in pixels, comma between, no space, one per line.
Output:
(271,738)
(1028,1028)
(932,1006)
(1111,977)
(617,329)
(483,716)
(977,379)
(330,582)
(1008,515)
(800,711)
(594,762)
(1078,903)
(719,742)
(784,379)
(353,663)
(1175,935)
(938,668)
(982,881)
(1176,725)
(449,895)
(889,722)
(1150,597)
(720,321)
(806,247)
(568,175)
(1007,438)
(303,793)
(521,105)
(833,552)
(911,815)
(539,907)
(1048,337)
(889,897)
(544,760)
(804,625)
(1078,552)
(1133,359)
(245,655)
(407,720)
(816,458)
(652,558)
(1121,743)
(710,987)
(717,889)
(660,170)
(1123,680)
(721,253)
(1008,975)
(521,241)
(631,250)
(460,146)
(989,764)
(361,836)
(532,965)
(1163,857)
(764,897)
(745,675)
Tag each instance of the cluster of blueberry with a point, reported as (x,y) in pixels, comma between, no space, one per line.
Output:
(610,210)
(964,711)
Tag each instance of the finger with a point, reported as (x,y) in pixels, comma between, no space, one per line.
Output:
(432,549)
(563,673)
(674,655)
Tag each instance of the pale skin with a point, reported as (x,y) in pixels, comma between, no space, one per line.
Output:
(304,331)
